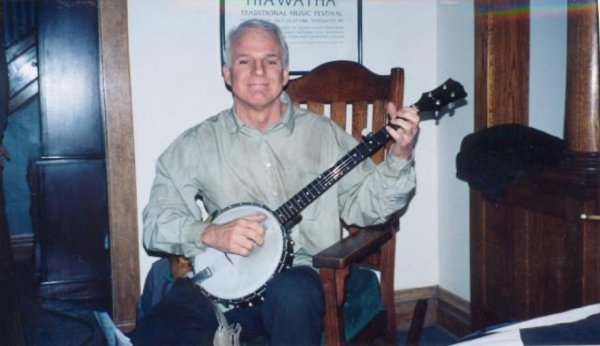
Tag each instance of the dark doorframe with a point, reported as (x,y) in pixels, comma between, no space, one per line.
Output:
(120,160)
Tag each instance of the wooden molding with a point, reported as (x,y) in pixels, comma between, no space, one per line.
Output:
(405,301)
(120,161)
(444,309)
(453,313)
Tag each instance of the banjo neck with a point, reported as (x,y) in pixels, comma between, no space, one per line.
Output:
(288,214)
(429,106)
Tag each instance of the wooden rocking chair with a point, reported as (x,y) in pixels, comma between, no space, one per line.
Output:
(338,84)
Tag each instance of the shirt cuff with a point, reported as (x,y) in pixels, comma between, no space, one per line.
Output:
(191,239)
(395,166)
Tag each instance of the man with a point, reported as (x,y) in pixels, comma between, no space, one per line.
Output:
(265,150)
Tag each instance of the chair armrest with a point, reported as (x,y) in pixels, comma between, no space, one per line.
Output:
(356,246)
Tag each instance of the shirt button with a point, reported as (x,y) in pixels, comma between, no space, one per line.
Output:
(274,193)
(268,164)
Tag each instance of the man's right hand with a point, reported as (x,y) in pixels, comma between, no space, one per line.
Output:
(238,236)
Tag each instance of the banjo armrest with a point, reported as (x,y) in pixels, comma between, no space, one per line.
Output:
(356,247)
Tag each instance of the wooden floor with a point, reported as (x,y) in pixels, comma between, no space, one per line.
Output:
(51,320)
(24,318)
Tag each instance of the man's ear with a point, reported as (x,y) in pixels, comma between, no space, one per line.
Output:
(286,76)
(226,74)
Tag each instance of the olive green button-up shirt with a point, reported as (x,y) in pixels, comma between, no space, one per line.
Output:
(227,162)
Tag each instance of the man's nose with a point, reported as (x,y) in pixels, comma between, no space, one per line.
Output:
(259,69)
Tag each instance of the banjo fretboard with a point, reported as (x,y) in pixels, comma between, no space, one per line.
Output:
(291,209)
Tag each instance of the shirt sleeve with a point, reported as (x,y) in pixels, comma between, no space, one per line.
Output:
(371,193)
(172,220)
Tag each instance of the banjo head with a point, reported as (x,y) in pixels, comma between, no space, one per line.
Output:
(239,280)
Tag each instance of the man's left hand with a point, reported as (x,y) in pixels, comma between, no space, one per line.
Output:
(407,122)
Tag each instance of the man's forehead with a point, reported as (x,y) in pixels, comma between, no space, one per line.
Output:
(257,31)
(252,38)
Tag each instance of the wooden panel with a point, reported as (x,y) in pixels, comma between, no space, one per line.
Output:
(500,258)
(536,256)
(502,89)
(582,128)
(591,253)
(501,62)
(73,243)
(548,266)
(478,237)
(72,123)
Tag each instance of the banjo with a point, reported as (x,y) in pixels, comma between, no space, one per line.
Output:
(239,281)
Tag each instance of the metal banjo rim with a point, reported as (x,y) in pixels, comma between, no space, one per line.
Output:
(285,262)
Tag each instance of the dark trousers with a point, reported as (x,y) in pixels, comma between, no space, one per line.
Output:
(292,313)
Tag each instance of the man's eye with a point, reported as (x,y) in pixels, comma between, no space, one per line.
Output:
(273,62)
(243,62)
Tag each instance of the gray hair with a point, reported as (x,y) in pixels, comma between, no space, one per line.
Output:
(260,25)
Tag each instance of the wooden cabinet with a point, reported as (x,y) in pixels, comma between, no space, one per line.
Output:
(533,254)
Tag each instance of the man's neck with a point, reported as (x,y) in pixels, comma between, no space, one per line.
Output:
(260,119)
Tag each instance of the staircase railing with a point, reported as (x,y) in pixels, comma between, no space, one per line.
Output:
(19,23)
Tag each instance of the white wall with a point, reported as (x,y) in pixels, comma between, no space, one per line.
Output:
(176,82)
(548,63)
(403,33)
(455,59)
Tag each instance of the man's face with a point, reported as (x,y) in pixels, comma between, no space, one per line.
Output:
(256,75)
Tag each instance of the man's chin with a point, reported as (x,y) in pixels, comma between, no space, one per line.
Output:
(260,98)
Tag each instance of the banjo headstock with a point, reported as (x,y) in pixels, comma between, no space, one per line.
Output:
(448,96)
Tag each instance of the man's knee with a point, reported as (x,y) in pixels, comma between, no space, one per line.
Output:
(298,289)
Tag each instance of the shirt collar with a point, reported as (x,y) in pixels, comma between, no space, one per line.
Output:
(234,124)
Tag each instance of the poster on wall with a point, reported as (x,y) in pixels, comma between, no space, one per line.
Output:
(316,31)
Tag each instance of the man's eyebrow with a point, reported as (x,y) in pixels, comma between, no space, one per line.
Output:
(267,56)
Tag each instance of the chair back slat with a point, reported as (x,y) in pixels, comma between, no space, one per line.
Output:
(378,122)
(337,113)
(360,118)
(317,107)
